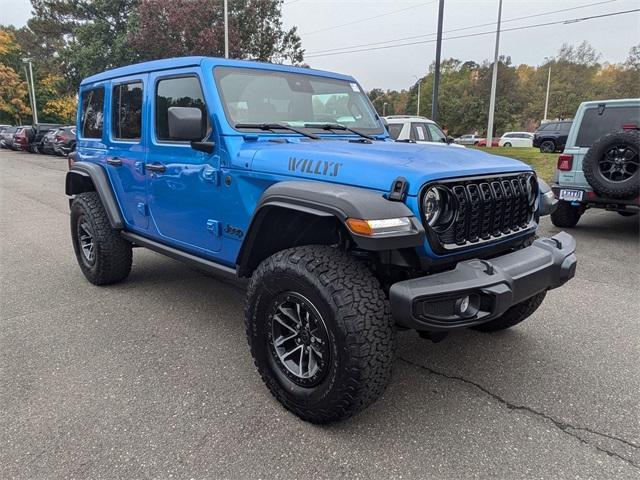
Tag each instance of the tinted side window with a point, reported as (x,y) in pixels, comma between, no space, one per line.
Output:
(126,111)
(598,122)
(92,112)
(395,129)
(419,132)
(176,92)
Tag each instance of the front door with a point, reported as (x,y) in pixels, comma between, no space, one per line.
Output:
(127,148)
(182,183)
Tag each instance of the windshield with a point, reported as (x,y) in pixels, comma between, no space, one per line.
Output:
(255,96)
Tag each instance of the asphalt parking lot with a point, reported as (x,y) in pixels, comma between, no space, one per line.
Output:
(152,378)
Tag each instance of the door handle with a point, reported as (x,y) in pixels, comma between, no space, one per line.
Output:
(114,162)
(155,167)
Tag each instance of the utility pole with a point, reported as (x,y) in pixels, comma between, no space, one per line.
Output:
(384,109)
(494,80)
(436,76)
(31,88)
(546,100)
(226,28)
(418,106)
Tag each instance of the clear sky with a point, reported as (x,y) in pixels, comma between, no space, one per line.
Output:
(396,67)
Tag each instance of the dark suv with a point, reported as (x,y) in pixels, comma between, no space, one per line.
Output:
(551,137)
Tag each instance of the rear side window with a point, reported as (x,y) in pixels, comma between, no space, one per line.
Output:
(420,132)
(176,92)
(126,111)
(92,112)
(395,129)
(565,127)
(601,120)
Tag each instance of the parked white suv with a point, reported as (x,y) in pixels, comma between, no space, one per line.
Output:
(406,128)
(516,139)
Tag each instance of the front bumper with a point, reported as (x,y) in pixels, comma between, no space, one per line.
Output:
(433,302)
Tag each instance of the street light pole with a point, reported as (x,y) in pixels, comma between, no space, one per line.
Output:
(494,81)
(384,109)
(226,29)
(418,106)
(31,89)
(436,75)
(546,100)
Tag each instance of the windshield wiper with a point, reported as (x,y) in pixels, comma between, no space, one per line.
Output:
(338,126)
(276,126)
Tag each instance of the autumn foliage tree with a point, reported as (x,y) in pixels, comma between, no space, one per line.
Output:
(196,27)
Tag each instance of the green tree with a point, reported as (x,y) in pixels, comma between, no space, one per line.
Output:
(196,27)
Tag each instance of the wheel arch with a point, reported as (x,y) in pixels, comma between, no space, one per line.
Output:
(90,177)
(297,213)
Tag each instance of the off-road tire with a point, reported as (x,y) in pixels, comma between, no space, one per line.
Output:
(623,189)
(514,315)
(566,215)
(547,146)
(112,253)
(356,313)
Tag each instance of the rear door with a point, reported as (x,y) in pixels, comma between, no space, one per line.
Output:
(127,148)
(183,184)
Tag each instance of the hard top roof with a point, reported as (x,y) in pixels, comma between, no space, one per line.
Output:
(206,62)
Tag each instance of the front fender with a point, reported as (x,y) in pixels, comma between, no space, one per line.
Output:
(329,200)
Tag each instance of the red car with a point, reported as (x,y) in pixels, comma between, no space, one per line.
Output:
(483,142)
(21,138)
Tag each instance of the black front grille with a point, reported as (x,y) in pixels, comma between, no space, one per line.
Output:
(487,209)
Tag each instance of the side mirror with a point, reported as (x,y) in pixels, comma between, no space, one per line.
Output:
(186,124)
(450,140)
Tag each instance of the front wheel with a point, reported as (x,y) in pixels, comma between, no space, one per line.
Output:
(506,144)
(514,315)
(548,146)
(320,332)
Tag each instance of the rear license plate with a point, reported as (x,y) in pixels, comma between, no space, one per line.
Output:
(571,195)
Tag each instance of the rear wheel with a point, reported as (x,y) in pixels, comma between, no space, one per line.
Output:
(514,315)
(320,332)
(548,146)
(103,255)
(566,215)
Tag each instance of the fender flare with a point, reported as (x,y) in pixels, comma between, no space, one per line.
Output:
(324,199)
(89,177)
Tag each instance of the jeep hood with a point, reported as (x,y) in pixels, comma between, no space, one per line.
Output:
(370,165)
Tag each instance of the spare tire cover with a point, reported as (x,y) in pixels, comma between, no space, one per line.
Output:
(611,165)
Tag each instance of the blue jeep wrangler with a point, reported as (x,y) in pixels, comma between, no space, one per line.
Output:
(287,177)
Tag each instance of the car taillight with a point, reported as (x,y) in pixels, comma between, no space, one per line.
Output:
(565,162)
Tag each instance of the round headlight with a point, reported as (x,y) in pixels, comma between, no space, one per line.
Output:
(432,205)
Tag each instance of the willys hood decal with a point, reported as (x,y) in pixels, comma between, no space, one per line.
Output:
(372,165)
